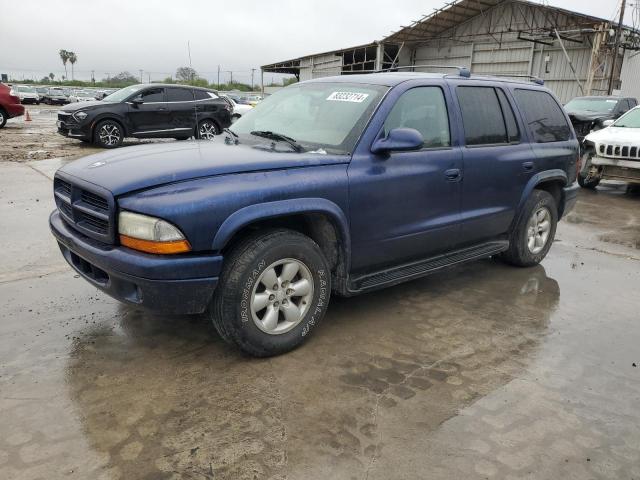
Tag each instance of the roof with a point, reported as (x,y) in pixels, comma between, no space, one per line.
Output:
(391,79)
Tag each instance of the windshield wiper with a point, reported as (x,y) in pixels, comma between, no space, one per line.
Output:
(278,137)
(228,130)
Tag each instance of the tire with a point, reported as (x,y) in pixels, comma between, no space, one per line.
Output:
(520,252)
(259,260)
(3,118)
(108,134)
(586,181)
(207,129)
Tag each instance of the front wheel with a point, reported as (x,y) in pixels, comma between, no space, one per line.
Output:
(533,235)
(207,130)
(108,134)
(273,291)
(3,118)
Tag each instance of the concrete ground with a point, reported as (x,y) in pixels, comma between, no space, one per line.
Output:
(485,371)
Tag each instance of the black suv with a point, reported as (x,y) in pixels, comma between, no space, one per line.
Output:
(146,111)
(590,113)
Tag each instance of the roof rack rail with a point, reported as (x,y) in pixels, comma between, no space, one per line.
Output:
(533,78)
(462,71)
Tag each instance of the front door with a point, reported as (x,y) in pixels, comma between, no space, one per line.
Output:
(148,113)
(406,205)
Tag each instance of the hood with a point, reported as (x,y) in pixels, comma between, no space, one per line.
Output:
(587,116)
(74,107)
(615,136)
(136,168)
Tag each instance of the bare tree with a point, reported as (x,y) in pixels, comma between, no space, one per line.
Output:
(186,74)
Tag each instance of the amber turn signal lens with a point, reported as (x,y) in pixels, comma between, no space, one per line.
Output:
(162,248)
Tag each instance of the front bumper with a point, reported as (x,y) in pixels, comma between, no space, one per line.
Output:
(177,284)
(570,194)
(617,168)
(73,130)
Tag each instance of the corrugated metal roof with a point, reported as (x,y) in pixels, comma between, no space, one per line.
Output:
(460,11)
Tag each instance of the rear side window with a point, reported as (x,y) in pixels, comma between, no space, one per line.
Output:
(543,116)
(423,109)
(201,95)
(482,118)
(513,133)
(179,95)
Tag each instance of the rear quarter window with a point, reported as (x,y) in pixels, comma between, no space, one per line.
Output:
(543,116)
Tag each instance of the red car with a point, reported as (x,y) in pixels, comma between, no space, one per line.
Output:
(9,105)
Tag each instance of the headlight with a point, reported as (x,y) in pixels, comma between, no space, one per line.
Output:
(80,115)
(150,234)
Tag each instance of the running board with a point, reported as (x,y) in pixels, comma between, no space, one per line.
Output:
(409,271)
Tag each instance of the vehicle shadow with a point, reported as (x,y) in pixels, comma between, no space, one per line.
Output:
(161,395)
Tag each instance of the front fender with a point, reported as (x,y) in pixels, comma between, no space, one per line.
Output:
(263,211)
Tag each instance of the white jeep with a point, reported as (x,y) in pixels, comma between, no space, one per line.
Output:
(612,153)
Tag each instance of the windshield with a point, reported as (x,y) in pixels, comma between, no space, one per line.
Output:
(599,105)
(122,94)
(329,116)
(631,119)
(26,89)
(55,91)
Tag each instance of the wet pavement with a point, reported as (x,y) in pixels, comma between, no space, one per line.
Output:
(485,371)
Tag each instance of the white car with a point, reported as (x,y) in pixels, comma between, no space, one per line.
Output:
(612,153)
(27,94)
(81,96)
(238,108)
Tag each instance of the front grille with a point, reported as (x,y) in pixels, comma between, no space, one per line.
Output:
(625,152)
(88,211)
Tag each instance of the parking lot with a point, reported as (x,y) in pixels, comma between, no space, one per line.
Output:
(485,371)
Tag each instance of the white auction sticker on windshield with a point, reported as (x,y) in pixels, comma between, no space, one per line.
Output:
(354,97)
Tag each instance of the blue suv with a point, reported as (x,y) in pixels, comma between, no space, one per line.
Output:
(335,186)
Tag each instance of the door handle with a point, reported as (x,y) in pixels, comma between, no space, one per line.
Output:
(453,174)
(528,166)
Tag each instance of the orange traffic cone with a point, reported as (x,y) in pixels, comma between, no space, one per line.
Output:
(27,117)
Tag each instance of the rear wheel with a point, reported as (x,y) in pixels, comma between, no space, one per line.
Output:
(533,235)
(3,118)
(208,129)
(108,134)
(273,291)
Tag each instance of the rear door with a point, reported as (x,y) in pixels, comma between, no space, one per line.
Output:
(497,163)
(182,114)
(151,117)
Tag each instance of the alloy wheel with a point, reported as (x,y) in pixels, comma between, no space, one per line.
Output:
(282,296)
(207,130)
(109,134)
(538,230)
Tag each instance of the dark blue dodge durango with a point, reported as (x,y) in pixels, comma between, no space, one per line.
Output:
(338,185)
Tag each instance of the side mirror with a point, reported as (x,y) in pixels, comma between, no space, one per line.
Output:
(608,123)
(399,140)
(136,101)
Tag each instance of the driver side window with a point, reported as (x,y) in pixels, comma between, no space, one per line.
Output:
(151,95)
(423,109)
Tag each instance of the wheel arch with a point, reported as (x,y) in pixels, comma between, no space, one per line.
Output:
(320,219)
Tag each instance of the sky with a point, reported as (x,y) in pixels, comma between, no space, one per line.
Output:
(133,35)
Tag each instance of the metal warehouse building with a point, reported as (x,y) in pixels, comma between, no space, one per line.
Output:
(571,52)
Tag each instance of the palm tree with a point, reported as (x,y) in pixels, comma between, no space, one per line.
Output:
(51,76)
(72,60)
(64,56)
